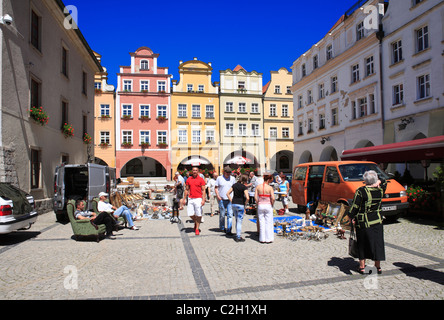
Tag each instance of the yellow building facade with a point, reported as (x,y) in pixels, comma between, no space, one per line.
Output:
(278,121)
(195,118)
(104,119)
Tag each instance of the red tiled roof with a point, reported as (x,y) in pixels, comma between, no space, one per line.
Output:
(239,67)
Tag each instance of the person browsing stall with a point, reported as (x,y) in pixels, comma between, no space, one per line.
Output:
(223,184)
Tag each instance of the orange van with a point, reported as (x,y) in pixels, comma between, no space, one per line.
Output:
(337,181)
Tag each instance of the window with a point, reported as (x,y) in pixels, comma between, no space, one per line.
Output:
(289,89)
(285,133)
(144,85)
(127,85)
(195,138)
(162,111)
(35,93)
(255,129)
(182,111)
(332,175)
(98,85)
(329,52)
(254,108)
(321,91)
(161,137)
(369,66)
(273,110)
(416,2)
(397,51)
(144,65)
(355,73)
(229,107)
(65,61)
(398,94)
(300,103)
(309,96)
(360,31)
(300,129)
(372,103)
(209,111)
(189,88)
(362,107)
(65,113)
(242,129)
(242,107)
(273,132)
(36,25)
(84,124)
(423,86)
(310,125)
(127,110)
(354,111)
(322,121)
(229,129)
(241,84)
(334,84)
(183,138)
(35,168)
(144,137)
(144,111)
(334,116)
(422,39)
(285,110)
(105,137)
(300,173)
(315,62)
(161,86)
(104,110)
(201,88)
(195,111)
(209,136)
(84,83)
(127,137)
(303,70)
(277,89)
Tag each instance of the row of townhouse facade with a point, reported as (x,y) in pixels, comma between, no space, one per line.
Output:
(369,84)
(45,64)
(157,125)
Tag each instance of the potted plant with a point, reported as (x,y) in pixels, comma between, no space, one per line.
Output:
(98,91)
(144,118)
(87,138)
(105,116)
(38,115)
(67,130)
(145,145)
(161,118)
(104,144)
(126,117)
(162,145)
(127,144)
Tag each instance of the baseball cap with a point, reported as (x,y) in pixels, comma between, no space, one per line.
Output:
(103,194)
(227,169)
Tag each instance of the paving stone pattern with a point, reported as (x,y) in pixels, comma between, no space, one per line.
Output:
(167,261)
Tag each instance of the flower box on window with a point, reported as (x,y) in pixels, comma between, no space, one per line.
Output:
(145,145)
(161,118)
(127,144)
(105,116)
(104,145)
(144,118)
(87,138)
(38,115)
(162,145)
(67,130)
(126,117)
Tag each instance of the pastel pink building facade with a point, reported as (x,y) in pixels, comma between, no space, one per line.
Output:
(143,117)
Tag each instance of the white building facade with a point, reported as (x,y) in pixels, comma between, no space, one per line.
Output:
(336,90)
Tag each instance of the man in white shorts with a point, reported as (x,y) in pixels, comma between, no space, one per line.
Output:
(195,191)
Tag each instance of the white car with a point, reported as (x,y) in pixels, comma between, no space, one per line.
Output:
(17,209)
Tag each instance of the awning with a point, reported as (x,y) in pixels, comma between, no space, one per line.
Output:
(400,152)
(195,161)
(239,160)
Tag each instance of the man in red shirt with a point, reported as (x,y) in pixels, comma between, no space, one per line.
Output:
(195,190)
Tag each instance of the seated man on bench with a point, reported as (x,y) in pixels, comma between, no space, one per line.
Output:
(103,206)
(102,218)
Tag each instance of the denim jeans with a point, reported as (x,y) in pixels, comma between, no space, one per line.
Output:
(126,213)
(238,212)
(225,208)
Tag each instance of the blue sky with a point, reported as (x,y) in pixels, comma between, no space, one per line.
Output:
(259,35)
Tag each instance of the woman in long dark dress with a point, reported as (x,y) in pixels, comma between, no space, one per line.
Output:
(366,212)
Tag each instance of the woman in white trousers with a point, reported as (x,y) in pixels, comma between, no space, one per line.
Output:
(264,196)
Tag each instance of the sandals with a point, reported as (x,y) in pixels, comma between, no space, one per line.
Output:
(362,270)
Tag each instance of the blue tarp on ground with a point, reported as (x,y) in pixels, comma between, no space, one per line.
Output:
(295,220)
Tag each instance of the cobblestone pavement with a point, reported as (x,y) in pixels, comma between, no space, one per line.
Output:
(167,261)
